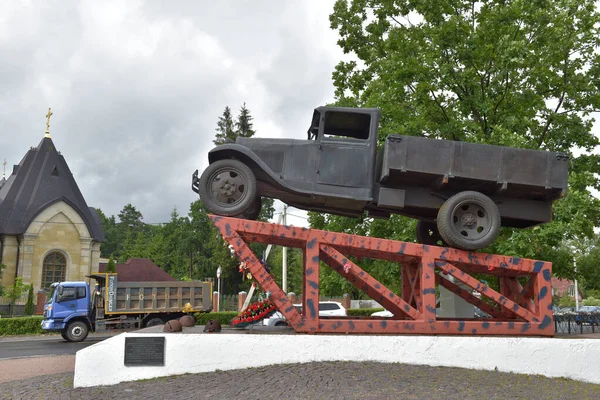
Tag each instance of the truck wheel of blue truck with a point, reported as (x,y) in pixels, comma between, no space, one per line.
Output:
(77,331)
(428,233)
(228,187)
(469,220)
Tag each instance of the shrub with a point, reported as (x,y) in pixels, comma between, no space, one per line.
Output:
(361,312)
(224,317)
(591,301)
(21,326)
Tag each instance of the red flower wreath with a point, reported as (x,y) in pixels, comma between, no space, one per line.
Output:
(254,312)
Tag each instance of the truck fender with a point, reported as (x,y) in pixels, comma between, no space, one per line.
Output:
(77,317)
(248,157)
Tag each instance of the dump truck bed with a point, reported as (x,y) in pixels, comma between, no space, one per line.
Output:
(457,166)
(155,297)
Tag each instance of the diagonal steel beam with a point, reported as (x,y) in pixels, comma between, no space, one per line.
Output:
(371,286)
(487,291)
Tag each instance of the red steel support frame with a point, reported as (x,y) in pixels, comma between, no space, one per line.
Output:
(516,309)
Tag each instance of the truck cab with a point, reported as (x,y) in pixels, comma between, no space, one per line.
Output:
(332,170)
(67,310)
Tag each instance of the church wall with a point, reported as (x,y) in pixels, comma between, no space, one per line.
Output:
(59,228)
(9,258)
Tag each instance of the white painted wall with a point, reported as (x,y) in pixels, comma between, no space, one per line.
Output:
(103,363)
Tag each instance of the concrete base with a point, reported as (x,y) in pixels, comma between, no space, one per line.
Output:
(194,352)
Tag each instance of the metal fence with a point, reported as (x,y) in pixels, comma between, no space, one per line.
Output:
(576,323)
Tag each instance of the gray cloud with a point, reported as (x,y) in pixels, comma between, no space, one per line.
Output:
(136,87)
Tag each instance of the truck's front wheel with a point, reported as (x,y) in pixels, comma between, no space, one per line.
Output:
(76,331)
(469,220)
(228,187)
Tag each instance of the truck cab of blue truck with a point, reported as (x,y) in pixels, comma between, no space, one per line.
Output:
(76,308)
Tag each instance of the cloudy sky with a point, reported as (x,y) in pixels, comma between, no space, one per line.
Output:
(136,87)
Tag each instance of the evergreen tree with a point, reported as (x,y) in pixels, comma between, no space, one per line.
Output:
(111,266)
(243,125)
(29,306)
(225,128)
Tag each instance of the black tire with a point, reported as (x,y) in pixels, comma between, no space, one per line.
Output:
(228,187)
(154,322)
(77,331)
(469,220)
(428,233)
(64,335)
(280,323)
(254,211)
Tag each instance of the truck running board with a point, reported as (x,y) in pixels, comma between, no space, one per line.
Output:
(521,305)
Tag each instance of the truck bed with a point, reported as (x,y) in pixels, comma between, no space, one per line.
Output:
(153,297)
(456,166)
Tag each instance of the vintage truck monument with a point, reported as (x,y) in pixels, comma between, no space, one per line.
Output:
(461,193)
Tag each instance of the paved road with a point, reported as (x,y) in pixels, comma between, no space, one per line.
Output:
(42,346)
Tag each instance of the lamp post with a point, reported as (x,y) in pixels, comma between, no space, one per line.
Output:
(219,288)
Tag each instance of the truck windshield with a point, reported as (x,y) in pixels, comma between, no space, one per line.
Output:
(50,293)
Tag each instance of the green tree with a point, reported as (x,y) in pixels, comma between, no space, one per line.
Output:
(225,128)
(516,73)
(130,218)
(110,244)
(588,266)
(14,292)
(111,267)
(243,125)
(29,306)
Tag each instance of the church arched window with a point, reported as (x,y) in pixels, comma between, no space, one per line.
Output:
(55,266)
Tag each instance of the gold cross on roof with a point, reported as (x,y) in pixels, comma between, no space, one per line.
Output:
(4,164)
(48,122)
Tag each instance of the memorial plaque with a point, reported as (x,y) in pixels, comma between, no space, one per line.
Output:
(145,351)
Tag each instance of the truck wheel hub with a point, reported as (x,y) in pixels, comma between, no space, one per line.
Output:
(468,220)
(228,188)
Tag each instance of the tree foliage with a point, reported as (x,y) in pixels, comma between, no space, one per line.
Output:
(29,305)
(15,291)
(514,73)
(225,128)
(111,267)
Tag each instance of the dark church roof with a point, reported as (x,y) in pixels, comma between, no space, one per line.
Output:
(139,270)
(41,179)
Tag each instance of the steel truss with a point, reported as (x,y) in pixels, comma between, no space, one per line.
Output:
(521,307)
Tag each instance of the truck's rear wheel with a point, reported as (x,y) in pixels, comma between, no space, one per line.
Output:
(77,331)
(228,187)
(469,220)
(428,233)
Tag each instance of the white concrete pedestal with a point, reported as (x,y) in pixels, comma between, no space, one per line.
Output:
(103,363)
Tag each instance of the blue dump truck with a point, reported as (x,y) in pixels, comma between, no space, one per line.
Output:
(76,308)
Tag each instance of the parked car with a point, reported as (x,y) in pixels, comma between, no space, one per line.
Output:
(326,309)
(588,315)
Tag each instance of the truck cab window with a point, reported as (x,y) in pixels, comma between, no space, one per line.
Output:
(347,125)
(67,293)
